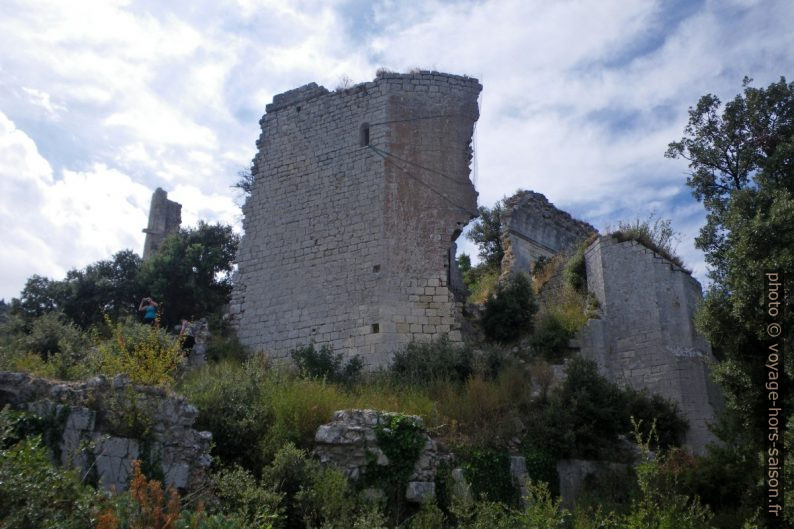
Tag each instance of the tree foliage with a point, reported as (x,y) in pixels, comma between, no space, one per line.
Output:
(106,287)
(486,233)
(741,159)
(189,276)
(190,273)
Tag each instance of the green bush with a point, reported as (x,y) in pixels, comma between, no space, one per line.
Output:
(228,396)
(48,346)
(439,360)
(223,343)
(428,517)
(551,337)
(239,494)
(33,493)
(595,412)
(328,502)
(508,312)
(311,496)
(146,353)
(488,472)
(575,270)
(650,409)
(323,363)
(658,505)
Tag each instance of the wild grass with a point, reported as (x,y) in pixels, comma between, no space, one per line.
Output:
(654,233)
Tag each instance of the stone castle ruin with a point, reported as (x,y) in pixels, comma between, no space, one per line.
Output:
(165,217)
(358,198)
(645,336)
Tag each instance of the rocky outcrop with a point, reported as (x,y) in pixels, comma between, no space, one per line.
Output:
(100,426)
(350,442)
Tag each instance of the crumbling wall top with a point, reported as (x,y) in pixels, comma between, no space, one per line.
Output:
(296,95)
(533,228)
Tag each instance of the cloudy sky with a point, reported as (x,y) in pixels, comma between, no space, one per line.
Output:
(102,102)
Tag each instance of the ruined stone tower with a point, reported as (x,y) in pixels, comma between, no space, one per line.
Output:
(358,197)
(165,217)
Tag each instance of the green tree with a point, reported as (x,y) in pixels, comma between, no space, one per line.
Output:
(464,263)
(742,168)
(105,287)
(190,274)
(741,159)
(486,233)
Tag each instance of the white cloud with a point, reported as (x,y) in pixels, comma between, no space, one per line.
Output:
(117,98)
(52,225)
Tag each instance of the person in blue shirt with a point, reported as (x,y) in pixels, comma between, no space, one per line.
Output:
(149,308)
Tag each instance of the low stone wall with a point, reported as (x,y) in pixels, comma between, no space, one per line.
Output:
(350,443)
(103,425)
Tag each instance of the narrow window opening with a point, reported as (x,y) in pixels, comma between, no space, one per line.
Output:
(376,268)
(363,135)
(375,328)
(298,108)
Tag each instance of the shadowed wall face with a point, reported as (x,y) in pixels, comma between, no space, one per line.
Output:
(646,337)
(358,197)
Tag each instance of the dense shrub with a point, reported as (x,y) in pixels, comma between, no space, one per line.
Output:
(323,363)
(228,396)
(655,409)
(312,496)
(144,352)
(509,310)
(488,471)
(482,410)
(48,346)
(443,361)
(595,412)
(223,343)
(439,360)
(239,494)
(551,337)
(428,517)
(33,493)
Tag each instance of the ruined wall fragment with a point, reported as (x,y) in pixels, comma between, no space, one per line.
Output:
(358,196)
(646,337)
(533,228)
(103,425)
(165,217)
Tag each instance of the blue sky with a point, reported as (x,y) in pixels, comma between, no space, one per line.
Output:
(102,102)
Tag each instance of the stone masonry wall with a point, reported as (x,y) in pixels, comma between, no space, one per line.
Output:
(358,196)
(532,228)
(103,425)
(646,337)
(165,217)
(350,443)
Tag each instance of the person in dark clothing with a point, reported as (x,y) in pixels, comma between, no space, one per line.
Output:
(188,335)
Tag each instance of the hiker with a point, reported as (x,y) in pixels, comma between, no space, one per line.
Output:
(187,333)
(149,308)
